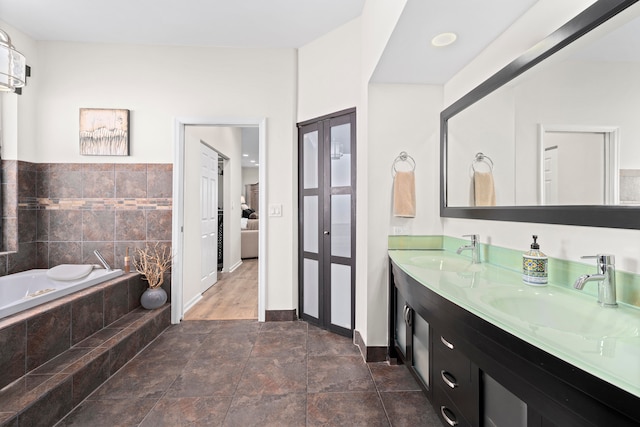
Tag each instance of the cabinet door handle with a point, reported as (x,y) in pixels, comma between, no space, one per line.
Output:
(405,309)
(409,317)
(450,419)
(446,343)
(449,379)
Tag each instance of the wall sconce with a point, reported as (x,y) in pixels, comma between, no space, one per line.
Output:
(13,66)
(336,150)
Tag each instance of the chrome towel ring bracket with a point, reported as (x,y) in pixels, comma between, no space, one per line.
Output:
(481,158)
(403,157)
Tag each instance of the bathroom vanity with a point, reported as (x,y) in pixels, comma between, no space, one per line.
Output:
(489,350)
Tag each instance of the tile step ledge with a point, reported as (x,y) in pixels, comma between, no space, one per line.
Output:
(46,394)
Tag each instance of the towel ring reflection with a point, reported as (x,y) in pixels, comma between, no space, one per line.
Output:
(403,157)
(481,158)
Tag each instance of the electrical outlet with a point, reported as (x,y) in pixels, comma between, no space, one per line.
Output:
(399,230)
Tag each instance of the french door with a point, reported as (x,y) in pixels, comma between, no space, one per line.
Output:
(326,205)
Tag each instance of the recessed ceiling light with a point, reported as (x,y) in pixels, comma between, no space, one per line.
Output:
(245,155)
(444,39)
(252,161)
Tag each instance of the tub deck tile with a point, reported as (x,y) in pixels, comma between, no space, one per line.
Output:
(129,319)
(13,351)
(29,389)
(8,419)
(99,338)
(61,362)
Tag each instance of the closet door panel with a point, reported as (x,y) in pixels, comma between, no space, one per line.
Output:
(326,182)
(341,295)
(341,225)
(311,305)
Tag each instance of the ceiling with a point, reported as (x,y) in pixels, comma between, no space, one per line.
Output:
(408,58)
(229,23)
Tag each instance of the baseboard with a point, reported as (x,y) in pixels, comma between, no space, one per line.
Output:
(235,266)
(280,315)
(191,303)
(370,354)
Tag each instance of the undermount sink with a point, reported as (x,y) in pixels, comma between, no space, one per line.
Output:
(564,313)
(445,264)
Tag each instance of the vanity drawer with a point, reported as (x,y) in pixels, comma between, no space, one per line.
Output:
(447,411)
(452,371)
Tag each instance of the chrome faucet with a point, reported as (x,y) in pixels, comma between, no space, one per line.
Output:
(606,278)
(104,262)
(473,246)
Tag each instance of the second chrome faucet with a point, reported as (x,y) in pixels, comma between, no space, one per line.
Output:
(473,246)
(606,278)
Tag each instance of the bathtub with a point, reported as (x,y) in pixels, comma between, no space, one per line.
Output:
(21,291)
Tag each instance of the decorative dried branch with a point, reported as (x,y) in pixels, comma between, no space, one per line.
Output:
(152,263)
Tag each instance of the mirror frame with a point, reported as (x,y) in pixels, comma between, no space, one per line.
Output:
(585,215)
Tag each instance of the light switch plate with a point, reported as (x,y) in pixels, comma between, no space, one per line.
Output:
(275,210)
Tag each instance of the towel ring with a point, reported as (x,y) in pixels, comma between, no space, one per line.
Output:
(403,157)
(481,158)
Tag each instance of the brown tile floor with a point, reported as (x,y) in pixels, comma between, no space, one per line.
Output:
(243,373)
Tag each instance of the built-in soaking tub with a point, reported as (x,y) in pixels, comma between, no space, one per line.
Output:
(21,291)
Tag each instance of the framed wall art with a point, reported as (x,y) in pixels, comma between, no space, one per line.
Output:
(104,132)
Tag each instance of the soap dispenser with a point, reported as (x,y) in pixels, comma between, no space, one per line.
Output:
(534,265)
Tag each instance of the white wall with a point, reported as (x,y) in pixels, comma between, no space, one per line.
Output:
(226,141)
(414,129)
(329,72)
(159,84)
(568,242)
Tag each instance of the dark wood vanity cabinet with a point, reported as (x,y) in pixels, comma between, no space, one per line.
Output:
(411,336)
(455,382)
(476,374)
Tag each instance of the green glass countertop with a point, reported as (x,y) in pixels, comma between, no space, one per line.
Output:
(564,322)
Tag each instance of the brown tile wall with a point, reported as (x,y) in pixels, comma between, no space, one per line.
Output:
(56,213)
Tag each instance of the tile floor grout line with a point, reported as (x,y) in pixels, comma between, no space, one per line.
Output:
(384,408)
(235,389)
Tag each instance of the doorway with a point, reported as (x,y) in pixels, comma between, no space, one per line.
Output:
(183,295)
(327,221)
(578,165)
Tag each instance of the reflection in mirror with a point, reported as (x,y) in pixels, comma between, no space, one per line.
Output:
(565,132)
(582,96)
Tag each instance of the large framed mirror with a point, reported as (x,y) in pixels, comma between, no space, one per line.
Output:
(554,137)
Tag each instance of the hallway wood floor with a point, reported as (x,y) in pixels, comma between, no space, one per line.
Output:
(233,297)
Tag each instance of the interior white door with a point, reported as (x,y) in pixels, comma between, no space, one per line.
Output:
(208,216)
(551,175)
(581,166)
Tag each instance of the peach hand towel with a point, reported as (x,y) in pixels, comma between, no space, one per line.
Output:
(404,194)
(485,193)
